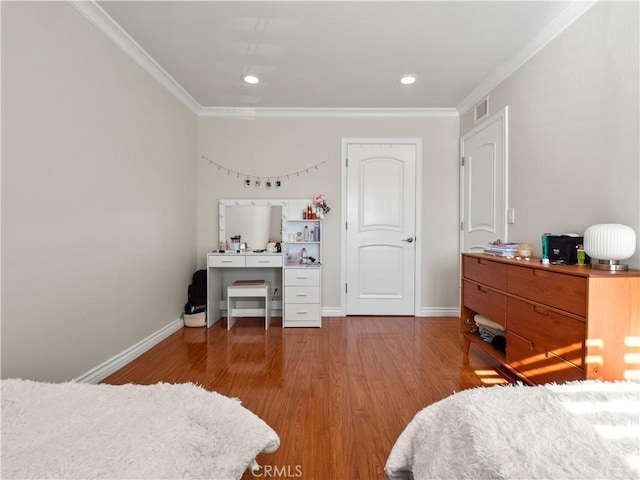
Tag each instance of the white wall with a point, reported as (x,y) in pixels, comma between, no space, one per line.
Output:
(274,146)
(98,196)
(99,168)
(574,127)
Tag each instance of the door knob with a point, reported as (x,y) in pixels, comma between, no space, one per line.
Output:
(410,239)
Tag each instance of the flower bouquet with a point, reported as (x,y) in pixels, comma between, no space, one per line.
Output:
(319,201)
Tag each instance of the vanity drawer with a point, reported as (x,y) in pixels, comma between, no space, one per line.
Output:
(302,294)
(485,271)
(547,331)
(301,276)
(539,367)
(302,315)
(226,261)
(264,260)
(559,290)
(485,301)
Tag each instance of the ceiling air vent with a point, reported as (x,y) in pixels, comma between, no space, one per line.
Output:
(481,110)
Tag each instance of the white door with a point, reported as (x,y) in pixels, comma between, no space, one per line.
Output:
(483,188)
(381,228)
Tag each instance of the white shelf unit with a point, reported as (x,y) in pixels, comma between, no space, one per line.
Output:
(302,283)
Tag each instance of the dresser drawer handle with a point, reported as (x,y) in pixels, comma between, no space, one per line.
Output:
(301,278)
(482,289)
(302,294)
(226,261)
(555,355)
(264,261)
(541,311)
(302,312)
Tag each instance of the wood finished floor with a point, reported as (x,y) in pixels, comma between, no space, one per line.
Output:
(338,396)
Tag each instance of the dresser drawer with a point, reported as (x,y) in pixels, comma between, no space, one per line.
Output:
(301,276)
(484,301)
(297,314)
(539,367)
(302,294)
(547,331)
(485,271)
(264,261)
(566,292)
(226,261)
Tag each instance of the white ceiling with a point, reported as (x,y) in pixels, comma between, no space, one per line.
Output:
(339,54)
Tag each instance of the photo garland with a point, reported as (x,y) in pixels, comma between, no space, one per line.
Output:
(270,181)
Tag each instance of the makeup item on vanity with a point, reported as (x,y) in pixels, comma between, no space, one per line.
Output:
(236,242)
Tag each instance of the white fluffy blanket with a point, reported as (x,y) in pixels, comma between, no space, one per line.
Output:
(73,430)
(579,430)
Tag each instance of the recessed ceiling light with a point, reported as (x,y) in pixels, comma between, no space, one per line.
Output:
(250,78)
(408,79)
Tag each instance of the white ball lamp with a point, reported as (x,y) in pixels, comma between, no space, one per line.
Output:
(609,243)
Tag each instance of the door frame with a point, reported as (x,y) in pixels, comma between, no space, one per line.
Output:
(417,273)
(504,115)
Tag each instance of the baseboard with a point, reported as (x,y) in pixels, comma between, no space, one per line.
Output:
(439,312)
(120,360)
(424,312)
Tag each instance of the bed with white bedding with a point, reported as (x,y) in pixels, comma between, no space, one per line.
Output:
(578,430)
(74,430)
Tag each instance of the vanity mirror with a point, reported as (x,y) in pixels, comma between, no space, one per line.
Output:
(257,222)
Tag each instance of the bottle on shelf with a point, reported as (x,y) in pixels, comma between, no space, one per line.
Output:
(306,233)
(305,256)
(316,232)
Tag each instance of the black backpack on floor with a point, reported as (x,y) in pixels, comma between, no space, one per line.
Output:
(197,293)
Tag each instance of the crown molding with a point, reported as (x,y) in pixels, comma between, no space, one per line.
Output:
(327,112)
(112,30)
(551,31)
(109,27)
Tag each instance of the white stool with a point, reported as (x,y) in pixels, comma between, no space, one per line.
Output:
(248,290)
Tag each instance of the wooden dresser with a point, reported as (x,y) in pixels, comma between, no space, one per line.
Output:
(563,322)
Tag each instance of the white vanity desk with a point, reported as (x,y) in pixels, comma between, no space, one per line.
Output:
(225,268)
(296,292)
